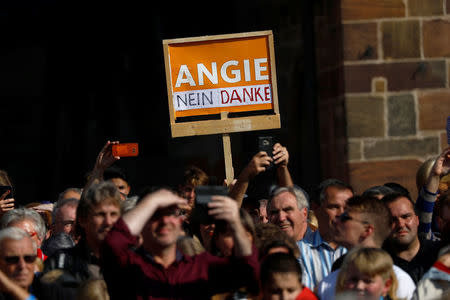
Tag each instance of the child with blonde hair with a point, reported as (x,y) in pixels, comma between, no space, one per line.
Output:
(367,273)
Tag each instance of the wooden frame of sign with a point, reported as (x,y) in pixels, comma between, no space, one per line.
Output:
(218,75)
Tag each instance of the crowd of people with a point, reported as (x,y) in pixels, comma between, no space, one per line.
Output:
(101,242)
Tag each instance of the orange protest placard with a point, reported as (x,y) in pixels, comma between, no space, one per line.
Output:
(221,74)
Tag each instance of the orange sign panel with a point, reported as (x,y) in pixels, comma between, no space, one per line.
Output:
(221,74)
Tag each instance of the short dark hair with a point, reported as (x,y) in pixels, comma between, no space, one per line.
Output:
(279,263)
(195,176)
(330,182)
(397,187)
(392,197)
(377,190)
(115,172)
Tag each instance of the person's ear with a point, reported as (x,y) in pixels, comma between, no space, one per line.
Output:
(368,231)
(387,286)
(305,212)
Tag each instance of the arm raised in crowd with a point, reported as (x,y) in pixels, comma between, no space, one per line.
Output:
(257,165)
(10,288)
(6,204)
(105,158)
(428,193)
(226,209)
(440,168)
(281,159)
(137,217)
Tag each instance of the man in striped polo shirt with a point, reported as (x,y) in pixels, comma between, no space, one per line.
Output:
(318,250)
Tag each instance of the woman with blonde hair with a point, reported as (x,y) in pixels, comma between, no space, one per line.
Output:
(367,273)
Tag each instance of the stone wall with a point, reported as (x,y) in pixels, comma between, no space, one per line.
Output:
(396,65)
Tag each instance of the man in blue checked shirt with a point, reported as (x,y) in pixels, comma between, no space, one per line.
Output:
(318,250)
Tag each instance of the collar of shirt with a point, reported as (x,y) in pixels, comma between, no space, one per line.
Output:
(179,255)
(314,239)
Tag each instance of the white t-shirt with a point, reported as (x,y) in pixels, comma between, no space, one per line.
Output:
(405,290)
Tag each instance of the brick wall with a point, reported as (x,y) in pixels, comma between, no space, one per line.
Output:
(396,65)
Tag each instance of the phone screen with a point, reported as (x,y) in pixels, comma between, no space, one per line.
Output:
(203,195)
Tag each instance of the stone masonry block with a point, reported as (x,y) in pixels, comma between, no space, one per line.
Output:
(436,38)
(401,39)
(354,150)
(372,9)
(425,7)
(367,174)
(402,147)
(401,115)
(360,41)
(400,76)
(379,85)
(365,116)
(434,108)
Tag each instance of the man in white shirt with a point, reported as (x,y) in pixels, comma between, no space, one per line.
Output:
(365,223)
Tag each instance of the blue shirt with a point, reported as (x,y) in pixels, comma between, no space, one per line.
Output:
(316,258)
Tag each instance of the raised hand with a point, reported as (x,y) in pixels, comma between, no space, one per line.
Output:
(6,204)
(257,165)
(105,157)
(280,155)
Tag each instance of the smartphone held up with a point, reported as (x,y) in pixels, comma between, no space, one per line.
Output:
(125,150)
(204,194)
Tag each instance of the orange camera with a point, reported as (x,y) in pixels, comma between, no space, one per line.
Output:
(124,150)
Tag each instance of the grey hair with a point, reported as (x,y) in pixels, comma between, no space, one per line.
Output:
(62,202)
(22,213)
(302,199)
(71,189)
(17,234)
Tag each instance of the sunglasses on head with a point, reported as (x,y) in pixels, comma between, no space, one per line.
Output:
(344,217)
(12,260)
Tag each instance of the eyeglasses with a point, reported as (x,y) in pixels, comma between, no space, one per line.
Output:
(344,217)
(12,260)
(32,234)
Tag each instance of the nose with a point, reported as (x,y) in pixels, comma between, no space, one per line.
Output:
(398,223)
(281,216)
(284,295)
(109,220)
(21,264)
(360,285)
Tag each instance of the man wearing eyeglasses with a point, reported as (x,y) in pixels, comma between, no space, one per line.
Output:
(366,222)
(17,258)
(30,221)
(158,270)
(64,215)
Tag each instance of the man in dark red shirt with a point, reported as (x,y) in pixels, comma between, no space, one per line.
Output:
(158,270)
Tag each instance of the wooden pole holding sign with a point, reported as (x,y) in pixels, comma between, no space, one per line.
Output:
(228,158)
(217,75)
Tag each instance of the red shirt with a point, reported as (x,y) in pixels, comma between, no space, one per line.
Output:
(306,294)
(133,274)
